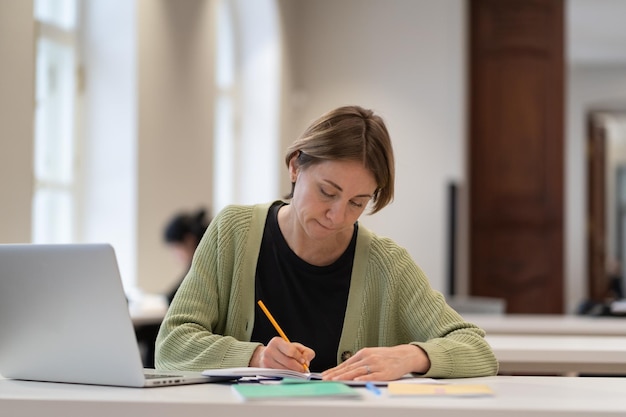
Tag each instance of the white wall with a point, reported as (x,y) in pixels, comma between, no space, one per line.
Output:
(17,65)
(406,60)
(175,88)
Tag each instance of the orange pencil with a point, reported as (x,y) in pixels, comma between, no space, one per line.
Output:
(278,329)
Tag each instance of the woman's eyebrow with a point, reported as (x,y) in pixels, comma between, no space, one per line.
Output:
(341,189)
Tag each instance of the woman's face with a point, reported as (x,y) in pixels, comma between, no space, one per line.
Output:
(329,196)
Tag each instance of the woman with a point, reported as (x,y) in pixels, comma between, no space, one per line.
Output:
(355,305)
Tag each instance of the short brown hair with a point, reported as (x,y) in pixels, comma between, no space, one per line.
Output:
(349,133)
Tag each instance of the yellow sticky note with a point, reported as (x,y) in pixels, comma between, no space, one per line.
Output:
(439,389)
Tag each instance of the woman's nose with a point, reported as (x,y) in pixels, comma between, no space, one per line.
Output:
(336,212)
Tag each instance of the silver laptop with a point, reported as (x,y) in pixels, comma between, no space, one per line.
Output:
(64,318)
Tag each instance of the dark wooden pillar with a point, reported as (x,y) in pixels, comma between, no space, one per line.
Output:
(516,156)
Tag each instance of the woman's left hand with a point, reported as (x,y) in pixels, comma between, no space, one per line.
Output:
(380,364)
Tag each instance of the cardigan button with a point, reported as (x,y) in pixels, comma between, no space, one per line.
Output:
(346,355)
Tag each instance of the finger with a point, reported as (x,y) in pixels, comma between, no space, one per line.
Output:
(306,353)
(289,355)
(352,371)
(350,364)
(290,350)
(367,373)
(346,375)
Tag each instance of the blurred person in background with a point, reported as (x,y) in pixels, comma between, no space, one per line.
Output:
(182,234)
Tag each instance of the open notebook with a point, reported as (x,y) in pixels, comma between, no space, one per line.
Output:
(252,372)
(263,374)
(64,318)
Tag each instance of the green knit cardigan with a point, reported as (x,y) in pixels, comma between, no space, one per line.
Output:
(390,302)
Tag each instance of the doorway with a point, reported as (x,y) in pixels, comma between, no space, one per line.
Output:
(606,204)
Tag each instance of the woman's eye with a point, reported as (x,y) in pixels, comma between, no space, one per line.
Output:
(355,204)
(325,194)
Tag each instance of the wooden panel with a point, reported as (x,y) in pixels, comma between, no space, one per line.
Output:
(597,285)
(516,153)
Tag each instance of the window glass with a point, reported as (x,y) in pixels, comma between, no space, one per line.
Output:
(54,199)
(53,211)
(61,13)
(225,61)
(54,115)
(248,56)
(224,138)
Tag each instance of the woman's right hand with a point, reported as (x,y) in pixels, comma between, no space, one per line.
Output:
(281,354)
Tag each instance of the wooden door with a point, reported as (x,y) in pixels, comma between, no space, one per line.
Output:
(516,153)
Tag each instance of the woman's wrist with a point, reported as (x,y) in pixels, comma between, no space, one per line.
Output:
(421,361)
(255,359)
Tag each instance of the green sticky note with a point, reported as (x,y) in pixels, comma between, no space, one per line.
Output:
(315,389)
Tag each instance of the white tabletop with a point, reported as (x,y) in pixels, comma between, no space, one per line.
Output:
(561,354)
(549,324)
(514,397)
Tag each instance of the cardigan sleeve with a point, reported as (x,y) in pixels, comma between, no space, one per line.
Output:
(413,312)
(206,325)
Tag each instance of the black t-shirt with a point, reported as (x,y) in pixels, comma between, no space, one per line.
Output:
(307,301)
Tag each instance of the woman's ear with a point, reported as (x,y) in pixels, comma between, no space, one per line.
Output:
(293,169)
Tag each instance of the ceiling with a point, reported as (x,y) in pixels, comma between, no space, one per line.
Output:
(596,32)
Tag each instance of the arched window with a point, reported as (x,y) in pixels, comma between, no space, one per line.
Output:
(247,107)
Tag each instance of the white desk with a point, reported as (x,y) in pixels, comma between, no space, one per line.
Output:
(514,397)
(143,318)
(560,354)
(536,324)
